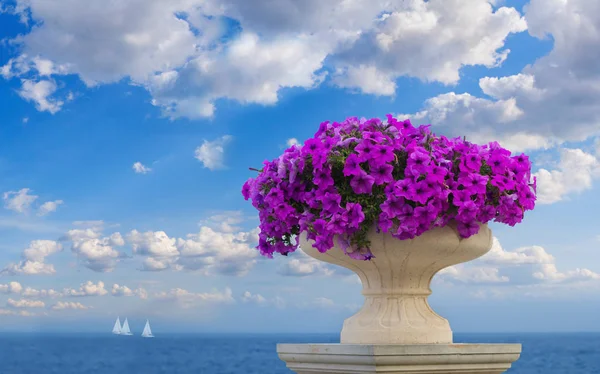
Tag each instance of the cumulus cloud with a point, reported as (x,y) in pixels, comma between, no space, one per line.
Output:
(187,299)
(248,297)
(551,101)
(574,173)
(66,305)
(140,168)
(119,290)
(24,303)
(96,252)
(88,288)
(40,93)
(11,288)
(366,45)
(19,201)
(40,293)
(524,266)
(212,153)
(299,264)
(33,262)
(219,249)
(292,141)
(49,207)
(151,243)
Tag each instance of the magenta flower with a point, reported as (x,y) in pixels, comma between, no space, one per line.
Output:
(407,180)
(365,150)
(353,215)
(352,166)
(362,183)
(331,202)
(474,183)
(382,173)
(392,207)
(467,229)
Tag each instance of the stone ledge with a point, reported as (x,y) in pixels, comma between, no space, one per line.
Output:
(397,359)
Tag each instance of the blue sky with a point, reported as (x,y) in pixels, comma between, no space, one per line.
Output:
(198,91)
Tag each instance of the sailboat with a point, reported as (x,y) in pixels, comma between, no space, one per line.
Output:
(117,329)
(125,329)
(147,333)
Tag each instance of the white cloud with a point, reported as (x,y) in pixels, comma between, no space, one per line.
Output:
(524,267)
(24,303)
(189,299)
(277,47)
(97,253)
(118,290)
(41,94)
(401,41)
(210,251)
(49,207)
(574,174)
(88,288)
(555,99)
(473,275)
(157,244)
(64,305)
(19,201)
(292,141)
(299,264)
(218,252)
(11,287)
(34,257)
(35,293)
(212,153)
(140,168)
(226,221)
(248,297)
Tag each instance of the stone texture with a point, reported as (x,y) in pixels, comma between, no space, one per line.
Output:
(397,359)
(396,284)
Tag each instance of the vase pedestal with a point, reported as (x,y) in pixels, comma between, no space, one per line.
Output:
(396,331)
(399,358)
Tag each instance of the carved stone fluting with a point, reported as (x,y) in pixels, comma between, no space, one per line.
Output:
(396,284)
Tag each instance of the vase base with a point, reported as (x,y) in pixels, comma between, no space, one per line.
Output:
(399,358)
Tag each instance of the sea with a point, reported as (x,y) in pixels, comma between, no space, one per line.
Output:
(543,353)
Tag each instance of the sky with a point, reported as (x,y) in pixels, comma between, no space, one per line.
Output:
(127,130)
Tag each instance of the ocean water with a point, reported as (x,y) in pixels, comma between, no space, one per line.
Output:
(248,354)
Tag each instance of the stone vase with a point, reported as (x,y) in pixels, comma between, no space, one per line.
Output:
(396,284)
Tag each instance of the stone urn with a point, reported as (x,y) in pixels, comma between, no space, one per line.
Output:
(396,284)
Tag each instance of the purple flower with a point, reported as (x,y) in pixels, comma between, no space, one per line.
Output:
(246,188)
(407,180)
(420,192)
(383,154)
(385,223)
(467,229)
(337,224)
(382,173)
(392,207)
(498,163)
(365,149)
(353,215)
(331,201)
(323,178)
(471,163)
(362,183)
(352,166)
(474,183)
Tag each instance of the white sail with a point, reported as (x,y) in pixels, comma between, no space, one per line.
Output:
(117,327)
(147,333)
(125,329)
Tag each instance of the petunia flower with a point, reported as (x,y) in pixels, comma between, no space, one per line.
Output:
(362,183)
